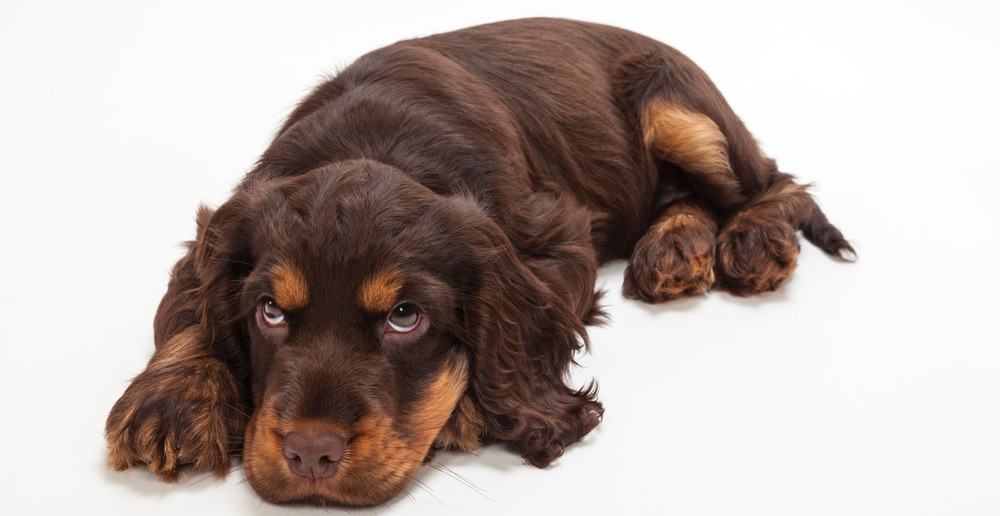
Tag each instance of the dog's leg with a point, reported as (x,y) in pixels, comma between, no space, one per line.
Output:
(685,121)
(185,408)
(675,257)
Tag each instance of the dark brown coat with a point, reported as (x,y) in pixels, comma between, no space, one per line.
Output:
(412,261)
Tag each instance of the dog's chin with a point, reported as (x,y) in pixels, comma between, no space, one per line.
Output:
(325,493)
(339,492)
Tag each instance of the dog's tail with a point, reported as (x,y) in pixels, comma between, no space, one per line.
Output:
(824,235)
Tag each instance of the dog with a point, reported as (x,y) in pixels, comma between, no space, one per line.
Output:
(411,263)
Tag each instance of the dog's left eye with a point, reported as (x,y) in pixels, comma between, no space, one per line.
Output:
(403,318)
(270,314)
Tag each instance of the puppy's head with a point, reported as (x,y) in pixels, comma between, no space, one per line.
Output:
(376,317)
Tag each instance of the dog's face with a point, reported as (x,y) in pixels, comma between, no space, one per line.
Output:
(377,318)
(350,313)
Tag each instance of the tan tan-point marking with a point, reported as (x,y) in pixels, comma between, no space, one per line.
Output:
(673,222)
(380,291)
(441,398)
(291,291)
(684,137)
(465,429)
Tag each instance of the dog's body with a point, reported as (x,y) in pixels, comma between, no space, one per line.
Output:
(469,183)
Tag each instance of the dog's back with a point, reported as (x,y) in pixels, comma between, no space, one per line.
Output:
(501,110)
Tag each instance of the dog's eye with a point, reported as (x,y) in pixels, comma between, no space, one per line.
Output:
(270,314)
(403,318)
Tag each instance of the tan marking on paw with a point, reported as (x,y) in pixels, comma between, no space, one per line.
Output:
(697,278)
(673,222)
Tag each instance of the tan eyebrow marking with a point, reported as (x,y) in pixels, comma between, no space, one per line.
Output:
(380,291)
(291,291)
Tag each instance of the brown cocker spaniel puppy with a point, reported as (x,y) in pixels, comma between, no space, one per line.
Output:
(411,264)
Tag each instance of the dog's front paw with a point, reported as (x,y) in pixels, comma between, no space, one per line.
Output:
(177,415)
(756,253)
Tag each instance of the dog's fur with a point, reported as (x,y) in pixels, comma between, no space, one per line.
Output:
(482,175)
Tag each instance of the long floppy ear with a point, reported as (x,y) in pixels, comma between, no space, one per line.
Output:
(204,278)
(523,333)
(188,407)
(223,259)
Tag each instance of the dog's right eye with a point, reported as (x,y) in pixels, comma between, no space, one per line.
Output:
(404,318)
(270,314)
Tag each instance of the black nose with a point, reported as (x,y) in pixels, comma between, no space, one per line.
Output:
(314,455)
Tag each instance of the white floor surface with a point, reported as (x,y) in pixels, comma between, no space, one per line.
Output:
(864,389)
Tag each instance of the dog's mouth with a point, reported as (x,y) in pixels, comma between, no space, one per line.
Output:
(323,463)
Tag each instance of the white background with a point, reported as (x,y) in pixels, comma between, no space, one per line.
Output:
(871,388)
